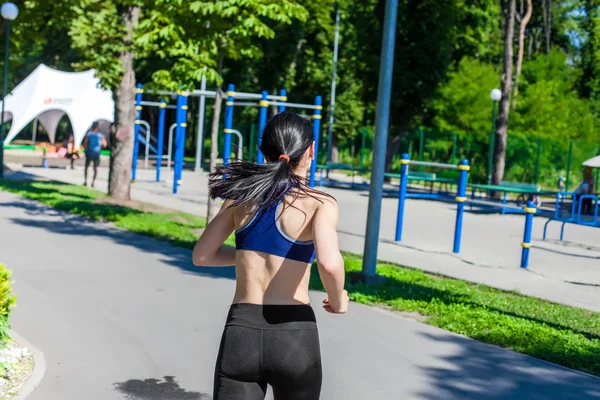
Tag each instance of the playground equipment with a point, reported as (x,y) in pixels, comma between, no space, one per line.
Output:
(574,215)
(460,199)
(263,105)
(232,100)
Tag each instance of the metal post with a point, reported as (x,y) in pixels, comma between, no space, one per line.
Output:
(4,92)
(262,121)
(570,159)
(333,84)
(530,211)
(402,195)
(461,197)
(454,141)
(200,134)
(184,113)
(283,94)
(492,145)
(162,108)
(316,128)
(228,123)
(251,142)
(382,118)
(136,130)
(421,146)
(537,161)
(35,128)
(362,148)
(177,141)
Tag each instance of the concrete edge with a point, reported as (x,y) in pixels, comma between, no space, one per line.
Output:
(39,367)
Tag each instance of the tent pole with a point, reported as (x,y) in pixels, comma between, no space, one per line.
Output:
(35,131)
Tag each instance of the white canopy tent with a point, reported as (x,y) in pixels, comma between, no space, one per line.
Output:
(593,162)
(47,95)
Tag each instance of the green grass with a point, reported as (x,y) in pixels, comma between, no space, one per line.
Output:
(553,332)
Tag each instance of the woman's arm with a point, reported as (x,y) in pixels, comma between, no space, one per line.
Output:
(210,251)
(329,258)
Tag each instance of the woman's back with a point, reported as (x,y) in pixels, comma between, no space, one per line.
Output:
(280,224)
(275,269)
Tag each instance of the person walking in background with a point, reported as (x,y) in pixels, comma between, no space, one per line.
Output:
(270,337)
(93,143)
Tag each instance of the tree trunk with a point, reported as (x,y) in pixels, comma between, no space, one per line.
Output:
(119,181)
(392,149)
(335,151)
(547,14)
(509,10)
(524,21)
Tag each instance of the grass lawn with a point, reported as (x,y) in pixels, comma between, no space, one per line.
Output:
(564,335)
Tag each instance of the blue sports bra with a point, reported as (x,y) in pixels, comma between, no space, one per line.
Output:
(263,233)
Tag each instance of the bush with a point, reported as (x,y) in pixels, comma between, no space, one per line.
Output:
(7,301)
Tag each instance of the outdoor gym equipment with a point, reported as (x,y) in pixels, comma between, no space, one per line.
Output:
(264,104)
(460,199)
(232,99)
(145,138)
(574,214)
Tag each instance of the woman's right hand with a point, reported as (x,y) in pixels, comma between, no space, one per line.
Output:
(338,307)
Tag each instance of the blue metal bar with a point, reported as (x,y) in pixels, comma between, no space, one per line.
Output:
(177,141)
(283,94)
(402,195)
(228,123)
(262,121)
(530,211)
(316,131)
(580,202)
(184,112)
(461,197)
(382,121)
(136,130)
(162,108)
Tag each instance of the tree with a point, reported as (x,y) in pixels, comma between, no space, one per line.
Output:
(524,20)
(509,11)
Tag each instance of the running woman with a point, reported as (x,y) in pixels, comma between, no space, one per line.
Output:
(280,225)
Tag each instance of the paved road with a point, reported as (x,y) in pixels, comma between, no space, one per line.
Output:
(121,316)
(565,272)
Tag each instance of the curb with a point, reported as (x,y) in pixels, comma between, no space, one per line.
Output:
(39,367)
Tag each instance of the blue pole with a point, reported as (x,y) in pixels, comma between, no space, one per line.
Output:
(283,94)
(228,123)
(316,129)
(184,110)
(136,130)
(382,119)
(530,211)
(178,121)
(402,195)
(161,135)
(262,121)
(461,197)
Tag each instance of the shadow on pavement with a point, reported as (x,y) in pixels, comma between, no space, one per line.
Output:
(78,226)
(478,371)
(155,389)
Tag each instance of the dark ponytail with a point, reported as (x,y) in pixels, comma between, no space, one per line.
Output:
(285,139)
